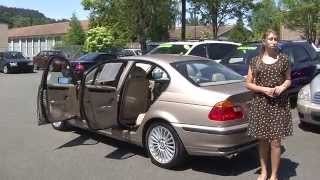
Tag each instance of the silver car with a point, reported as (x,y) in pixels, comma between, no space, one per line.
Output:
(308,104)
(172,105)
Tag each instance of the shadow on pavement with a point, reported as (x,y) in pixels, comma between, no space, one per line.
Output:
(244,162)
(309,128)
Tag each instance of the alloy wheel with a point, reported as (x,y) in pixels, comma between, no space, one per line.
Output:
(161,144)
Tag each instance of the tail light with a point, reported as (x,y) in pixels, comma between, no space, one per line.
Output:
(225,111)
(79,67)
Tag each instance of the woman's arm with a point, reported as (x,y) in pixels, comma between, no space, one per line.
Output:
(253,87)
(286,84)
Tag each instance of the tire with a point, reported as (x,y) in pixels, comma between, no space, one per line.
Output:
(156,143)
(60,126)
(5,69)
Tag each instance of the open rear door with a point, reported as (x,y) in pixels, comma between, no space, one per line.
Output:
(57,93)
(99,95)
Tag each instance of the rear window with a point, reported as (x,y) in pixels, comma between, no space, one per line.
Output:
(206,72)
(171,49)
(242,54)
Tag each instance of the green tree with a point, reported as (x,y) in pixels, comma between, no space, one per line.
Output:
(217,12)
(265,15)
(101,38)
(303,14)
(134,19)
(75,35)
(239,33)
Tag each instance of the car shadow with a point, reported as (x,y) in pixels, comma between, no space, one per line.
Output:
(309,128)
(244,162)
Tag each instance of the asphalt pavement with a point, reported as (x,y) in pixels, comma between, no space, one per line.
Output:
(32,152)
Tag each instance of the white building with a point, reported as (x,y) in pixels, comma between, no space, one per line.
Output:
(3,37)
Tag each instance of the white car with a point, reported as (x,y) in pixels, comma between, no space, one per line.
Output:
(211,49)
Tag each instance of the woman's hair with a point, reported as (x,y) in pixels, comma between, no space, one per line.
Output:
(264,37)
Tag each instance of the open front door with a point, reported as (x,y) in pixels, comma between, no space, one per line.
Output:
(99,101)
(57,94)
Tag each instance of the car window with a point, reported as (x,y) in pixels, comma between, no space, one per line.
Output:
(299,54)
(128,53)
(109,74)
(171,49)
(59,72)
(13,55)
(219,51)
(206,72)
(311,51)
(88,57)
(288,51)
(159,74)
(242,54)
(200,50)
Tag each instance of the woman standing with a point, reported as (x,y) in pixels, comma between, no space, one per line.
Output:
(269,114)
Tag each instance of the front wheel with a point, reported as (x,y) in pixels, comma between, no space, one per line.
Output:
(164,146)
(5,69)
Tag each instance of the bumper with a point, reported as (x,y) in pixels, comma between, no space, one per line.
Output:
(309,112)
(214,141)
(21,68)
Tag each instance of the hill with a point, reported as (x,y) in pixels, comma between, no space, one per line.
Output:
(19,17)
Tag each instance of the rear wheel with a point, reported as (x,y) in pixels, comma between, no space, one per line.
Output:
(164,146)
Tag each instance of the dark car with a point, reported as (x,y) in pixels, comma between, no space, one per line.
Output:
(40,61)
(13,61)
(303,58)
(86,61)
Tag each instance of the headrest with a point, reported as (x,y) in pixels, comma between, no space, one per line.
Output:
(218,77)
(138,72)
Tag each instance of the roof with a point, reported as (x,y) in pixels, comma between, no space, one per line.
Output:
(163,58)
(196,32)
(201,42)
(44,30)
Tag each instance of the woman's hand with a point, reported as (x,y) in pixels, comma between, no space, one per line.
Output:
(279,90)
(269,91)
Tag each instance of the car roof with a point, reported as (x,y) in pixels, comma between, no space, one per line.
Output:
(163,58)
(201,42)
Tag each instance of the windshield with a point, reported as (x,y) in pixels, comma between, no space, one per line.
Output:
(242,54)
(206,72)
(88,57)
(171,49)
(14,55)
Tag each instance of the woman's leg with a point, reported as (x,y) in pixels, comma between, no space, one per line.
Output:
(275,158)
(264,154)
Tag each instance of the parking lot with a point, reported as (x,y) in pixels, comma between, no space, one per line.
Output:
(28,151)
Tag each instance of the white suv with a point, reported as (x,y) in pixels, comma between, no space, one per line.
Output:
(211,49)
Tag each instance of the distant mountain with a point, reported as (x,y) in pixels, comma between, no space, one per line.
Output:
(19,17)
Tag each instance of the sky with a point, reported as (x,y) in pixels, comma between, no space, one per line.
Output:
(56,9)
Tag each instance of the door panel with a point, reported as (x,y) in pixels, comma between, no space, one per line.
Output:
(57,94)
(99,95)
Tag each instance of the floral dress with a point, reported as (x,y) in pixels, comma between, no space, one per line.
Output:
(269,118)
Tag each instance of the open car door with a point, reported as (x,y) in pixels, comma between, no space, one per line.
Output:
(57,93)
(99,95)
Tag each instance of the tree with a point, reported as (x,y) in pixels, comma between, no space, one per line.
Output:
(303,15)
(265,15)
(136,19)
(75,35)
(101,38)
(183,19)
(239,33)
(217,12)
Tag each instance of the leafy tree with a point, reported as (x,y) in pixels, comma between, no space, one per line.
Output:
(101,38)
(303,14)
(239,33)
(134,19)
(265,15)
(75,35)
(217,12)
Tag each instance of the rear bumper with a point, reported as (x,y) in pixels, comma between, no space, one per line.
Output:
(26,68)
(309,112)
(214,141)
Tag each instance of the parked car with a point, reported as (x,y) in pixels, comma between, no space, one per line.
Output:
(308,104)
(171,105)
(130,52)
(303,58)
(40,61)
(13,61)
(86,61)
(215,50)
